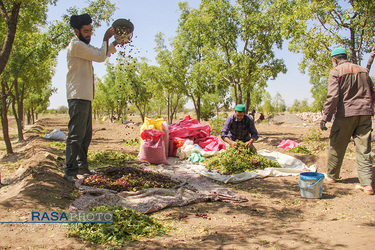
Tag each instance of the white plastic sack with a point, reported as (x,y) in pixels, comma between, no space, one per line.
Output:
(56,134)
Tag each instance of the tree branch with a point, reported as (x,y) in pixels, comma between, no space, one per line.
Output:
(3,11)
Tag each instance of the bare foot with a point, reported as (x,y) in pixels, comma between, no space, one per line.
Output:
(330,180)
(366,189)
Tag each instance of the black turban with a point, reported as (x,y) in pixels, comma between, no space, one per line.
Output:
(78,21)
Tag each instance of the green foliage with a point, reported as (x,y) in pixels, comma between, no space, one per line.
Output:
(58,144)
(300,150)
(235,161)
(128,225)
(108,158)
(314,136)
(168,78)
(267,106)
(278,103)
(216,125)
(314,141)
(207,111)
(314,28)
(62,110)
(299,107)
(271,104)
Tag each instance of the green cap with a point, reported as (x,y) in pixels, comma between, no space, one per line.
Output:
(338,51)
(240,108)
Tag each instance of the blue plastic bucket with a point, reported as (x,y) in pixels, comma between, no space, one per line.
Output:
(311,184)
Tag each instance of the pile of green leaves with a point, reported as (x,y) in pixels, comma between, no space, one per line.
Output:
(128,225)
(108,158)
(128,178)
(300,150)
(241,159)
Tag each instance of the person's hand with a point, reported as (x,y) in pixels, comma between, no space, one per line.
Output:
(249,143)
(323,125)
(234,144)
(109,33)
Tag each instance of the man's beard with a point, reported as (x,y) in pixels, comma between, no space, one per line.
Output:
(87,41)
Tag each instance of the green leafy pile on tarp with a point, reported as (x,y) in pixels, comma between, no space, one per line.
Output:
(241,159)
(300,150)
(128,225)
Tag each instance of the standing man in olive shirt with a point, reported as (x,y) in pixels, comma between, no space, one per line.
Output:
(350,98)
(80,92)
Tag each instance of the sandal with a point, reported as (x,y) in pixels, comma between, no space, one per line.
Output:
(362,188)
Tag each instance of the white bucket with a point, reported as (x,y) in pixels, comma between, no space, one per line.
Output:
(311,184)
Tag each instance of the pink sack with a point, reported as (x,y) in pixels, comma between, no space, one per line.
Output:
(288,144)
(192,129)
(153,149)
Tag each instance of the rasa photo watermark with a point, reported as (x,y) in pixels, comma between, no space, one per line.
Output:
(71,217)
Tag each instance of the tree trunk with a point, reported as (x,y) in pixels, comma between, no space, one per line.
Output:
(169,111)
(28,115)
(371,59)
(174,109)
(235,93)
(199,108)
(248,101)
(32,115)
(18,113)
(240,99)
(18,121)
(4,120)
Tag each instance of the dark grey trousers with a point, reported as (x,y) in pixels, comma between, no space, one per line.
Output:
(79,136)
(358,127)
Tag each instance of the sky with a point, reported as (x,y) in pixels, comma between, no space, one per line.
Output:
(151,17)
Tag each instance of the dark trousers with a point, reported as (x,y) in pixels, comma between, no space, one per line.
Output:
(79,136)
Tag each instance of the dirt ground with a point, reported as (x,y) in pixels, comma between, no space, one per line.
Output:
(275,216)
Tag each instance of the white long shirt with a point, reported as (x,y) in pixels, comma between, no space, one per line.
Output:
(80,76)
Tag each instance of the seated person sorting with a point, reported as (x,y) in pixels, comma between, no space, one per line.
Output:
(239,127)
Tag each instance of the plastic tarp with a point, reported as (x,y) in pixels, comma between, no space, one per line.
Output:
(290,166)
(288,144)
(193,188)
(192,129)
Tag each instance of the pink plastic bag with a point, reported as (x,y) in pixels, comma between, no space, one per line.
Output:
(153,148)
(288,144)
